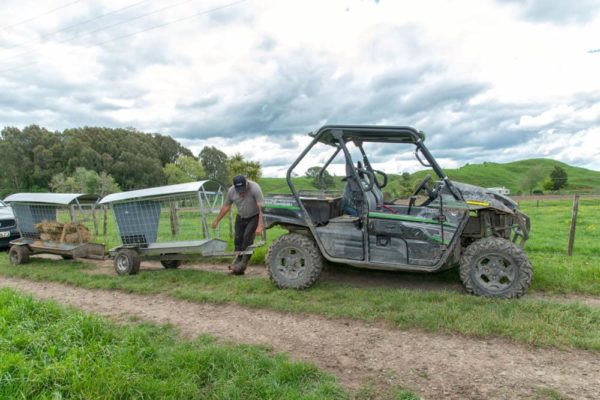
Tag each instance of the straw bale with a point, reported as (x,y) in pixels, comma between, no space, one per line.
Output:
(46,237)
(50,227)
(73,236)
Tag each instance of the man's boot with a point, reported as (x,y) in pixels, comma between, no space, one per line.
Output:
(239,266)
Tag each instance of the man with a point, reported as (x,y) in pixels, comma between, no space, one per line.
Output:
(249,200)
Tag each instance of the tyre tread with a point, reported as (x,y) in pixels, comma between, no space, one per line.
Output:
(312,252)
(495,245)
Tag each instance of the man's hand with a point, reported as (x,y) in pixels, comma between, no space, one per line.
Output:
(259,229)
(215,224)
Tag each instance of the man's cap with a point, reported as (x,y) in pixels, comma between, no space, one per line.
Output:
(239,182)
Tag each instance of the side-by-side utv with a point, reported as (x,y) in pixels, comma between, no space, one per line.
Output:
(442,224)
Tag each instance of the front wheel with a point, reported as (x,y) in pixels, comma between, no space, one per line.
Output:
(19,255)
(127,262)
(294,261)
(170,264)
(495,267)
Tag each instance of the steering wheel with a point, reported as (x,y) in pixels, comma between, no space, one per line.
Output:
(423,185)
(370,178)
(384,176)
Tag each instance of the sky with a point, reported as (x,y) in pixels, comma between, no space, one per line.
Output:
(487,80)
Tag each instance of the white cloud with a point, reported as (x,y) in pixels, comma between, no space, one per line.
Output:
(488,80)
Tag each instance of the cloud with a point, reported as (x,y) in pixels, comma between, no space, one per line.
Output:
(557,11)
(254,78)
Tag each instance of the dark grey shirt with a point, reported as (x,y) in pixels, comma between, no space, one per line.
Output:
(246,203)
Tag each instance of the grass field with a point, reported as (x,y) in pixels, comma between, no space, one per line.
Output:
(554,271)
(49,352)
(526,320)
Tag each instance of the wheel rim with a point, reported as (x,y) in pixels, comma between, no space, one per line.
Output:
(122,263)
(291,263)
(495,272)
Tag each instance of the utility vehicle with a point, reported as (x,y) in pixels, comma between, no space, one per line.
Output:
(442,224)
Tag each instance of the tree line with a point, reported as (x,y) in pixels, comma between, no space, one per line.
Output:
(105,160)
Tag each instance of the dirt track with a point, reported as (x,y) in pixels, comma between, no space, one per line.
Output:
(434,365)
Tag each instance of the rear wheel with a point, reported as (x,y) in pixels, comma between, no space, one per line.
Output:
(495,267)
(294,261)
(127,262)
(170,264)
(19,255)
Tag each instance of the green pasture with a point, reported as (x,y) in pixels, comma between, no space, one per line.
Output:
(551,221)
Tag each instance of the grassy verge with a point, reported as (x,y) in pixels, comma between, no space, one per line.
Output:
(526,320)
(47,351)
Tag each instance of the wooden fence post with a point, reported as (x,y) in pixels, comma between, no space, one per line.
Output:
(573,225)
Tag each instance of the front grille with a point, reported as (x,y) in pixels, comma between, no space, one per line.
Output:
(7,223)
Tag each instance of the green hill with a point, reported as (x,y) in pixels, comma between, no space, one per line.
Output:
(488,174)
(511,175)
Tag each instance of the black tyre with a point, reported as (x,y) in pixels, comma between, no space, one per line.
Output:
(127,262)
(495,267)
(294,261)
(170,264)
(19,255)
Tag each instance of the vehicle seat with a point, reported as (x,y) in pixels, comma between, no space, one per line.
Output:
(353,198)
(375,195)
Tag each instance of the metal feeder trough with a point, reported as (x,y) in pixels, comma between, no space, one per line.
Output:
(61,211)
(168,223)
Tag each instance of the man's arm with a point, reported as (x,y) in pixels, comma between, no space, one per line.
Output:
(260,227)
(260,201)
(224,210)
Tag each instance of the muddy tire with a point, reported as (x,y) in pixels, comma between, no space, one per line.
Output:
(495,267)
(127,262)
(19,255)
(294,262)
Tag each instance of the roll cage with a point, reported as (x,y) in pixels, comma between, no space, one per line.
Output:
(338,135)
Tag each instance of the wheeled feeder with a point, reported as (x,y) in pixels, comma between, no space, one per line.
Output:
(72,218)
(169,224)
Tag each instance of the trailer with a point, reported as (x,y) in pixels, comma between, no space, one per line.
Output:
(64,224)
(168,223)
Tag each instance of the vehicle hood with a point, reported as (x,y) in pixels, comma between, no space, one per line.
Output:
(478,198)
(6,213)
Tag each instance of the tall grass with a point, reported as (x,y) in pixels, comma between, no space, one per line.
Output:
(49,352)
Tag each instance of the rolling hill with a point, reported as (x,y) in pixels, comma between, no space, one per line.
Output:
(511,175)
(488,174)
